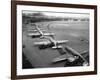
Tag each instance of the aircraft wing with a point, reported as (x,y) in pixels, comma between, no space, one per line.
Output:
(63,58)
(48,34)
(32,30)
(61,41)
(60,58)
(56,47)
(41,43)
(33,34)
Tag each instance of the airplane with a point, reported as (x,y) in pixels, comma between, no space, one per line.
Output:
(72,55)
(55,44)
(40,33)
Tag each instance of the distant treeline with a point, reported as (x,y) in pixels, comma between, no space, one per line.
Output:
(43,18)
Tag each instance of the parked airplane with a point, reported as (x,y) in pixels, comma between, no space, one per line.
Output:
(55,44)
(40,33)
(71,55)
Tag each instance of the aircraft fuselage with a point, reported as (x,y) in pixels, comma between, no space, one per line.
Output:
(36,36)
(46,46)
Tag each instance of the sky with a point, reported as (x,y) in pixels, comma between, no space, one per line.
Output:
(61,14)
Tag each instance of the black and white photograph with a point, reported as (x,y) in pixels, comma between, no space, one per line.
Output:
(51,40)
(54,39)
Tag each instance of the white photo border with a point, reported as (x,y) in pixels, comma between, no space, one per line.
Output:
(35,71)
